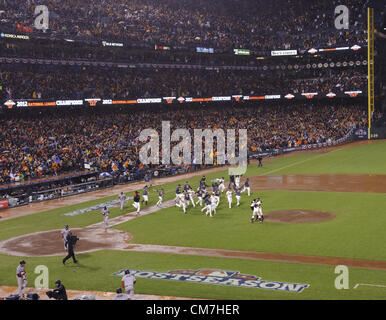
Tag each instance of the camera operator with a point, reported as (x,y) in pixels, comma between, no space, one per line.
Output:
(59,293)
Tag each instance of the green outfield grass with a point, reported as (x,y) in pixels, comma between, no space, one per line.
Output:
(94,272)
(356,232)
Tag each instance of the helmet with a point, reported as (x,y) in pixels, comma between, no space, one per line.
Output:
(58,282)
(22,262)
(127,271)
(119,290)
(66,226)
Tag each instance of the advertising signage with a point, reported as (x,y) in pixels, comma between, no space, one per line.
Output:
(204,50)
(242,52)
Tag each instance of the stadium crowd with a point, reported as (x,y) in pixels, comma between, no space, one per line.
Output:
(281,24)
(37,82)
(50,142)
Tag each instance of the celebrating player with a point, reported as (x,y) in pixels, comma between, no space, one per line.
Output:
(136,203)
(161,193)
(229,197)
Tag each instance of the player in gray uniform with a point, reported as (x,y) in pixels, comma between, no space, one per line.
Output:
(122,199)
(145,195)
(21,277)
(105,213)
(161,193)
(128,282)
(64,232)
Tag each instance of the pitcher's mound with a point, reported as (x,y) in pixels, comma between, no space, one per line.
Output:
(298,216)
(48,243)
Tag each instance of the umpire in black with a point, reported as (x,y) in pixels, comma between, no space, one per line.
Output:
(260,158)
(71,240)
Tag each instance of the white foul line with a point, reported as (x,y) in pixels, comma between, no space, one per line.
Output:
(371,285)
(299,162)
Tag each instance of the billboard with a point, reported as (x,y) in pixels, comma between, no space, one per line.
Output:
(204,50)
(284,53)
(242,52)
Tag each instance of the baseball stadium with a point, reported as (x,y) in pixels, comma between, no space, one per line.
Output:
(192,150)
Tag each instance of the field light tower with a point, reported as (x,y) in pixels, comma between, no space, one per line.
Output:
(370,66)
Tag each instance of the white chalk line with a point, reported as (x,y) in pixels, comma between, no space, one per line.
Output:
(370,285)
(299,162)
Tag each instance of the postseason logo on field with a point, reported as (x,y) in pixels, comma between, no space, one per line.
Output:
(218,277)
(109,204)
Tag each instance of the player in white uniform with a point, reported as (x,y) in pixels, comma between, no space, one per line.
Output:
(253,203)
(161,193)
(105,212)
(213,205)
(237,181)
(260,210)
(191,195)
(179,196)
(122,198)
(257,211)
(21,278)
(64,232)
(229,197)
(221,186)
(184,202)
(136,203)
(128,282)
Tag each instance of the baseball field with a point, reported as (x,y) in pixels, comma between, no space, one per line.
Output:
(322,209)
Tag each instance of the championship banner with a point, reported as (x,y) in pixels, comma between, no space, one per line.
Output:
(353,94)
(309,95)
(92,101)
(11,104)
(169,99)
